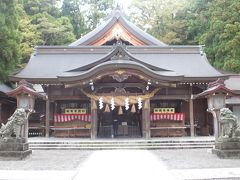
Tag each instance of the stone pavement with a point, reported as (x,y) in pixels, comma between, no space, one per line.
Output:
(121,164)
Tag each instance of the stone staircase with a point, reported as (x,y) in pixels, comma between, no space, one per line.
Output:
(106,144)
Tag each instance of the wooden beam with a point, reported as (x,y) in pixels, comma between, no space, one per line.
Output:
(1,113)
(54,98)
(171,97)
(93,120)
(120,85)
(47,118)
(146,119)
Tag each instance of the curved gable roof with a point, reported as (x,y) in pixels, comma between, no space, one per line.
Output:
(119,52)
(48,63)
(117,21)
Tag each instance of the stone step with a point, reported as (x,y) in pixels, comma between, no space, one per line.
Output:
(114,142)
(120,143)
(117,145)
(120,147)
(96,145)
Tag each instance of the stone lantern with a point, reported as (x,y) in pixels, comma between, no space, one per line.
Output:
(226,129)
(17,146)
(25,95)
(216,94)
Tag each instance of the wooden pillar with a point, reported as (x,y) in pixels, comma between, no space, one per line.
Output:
(93,119)
(1,113)
(47,128)
(191,115)
(146,119)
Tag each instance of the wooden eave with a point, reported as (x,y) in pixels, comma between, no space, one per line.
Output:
(215,89)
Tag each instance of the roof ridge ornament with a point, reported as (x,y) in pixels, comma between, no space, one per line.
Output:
(120,51)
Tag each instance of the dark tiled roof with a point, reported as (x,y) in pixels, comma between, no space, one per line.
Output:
(4,88)
(233,82)
(50,62)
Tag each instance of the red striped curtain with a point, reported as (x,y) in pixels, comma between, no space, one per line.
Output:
(72,117)
(168,116)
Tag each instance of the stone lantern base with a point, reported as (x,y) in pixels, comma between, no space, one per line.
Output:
(227,148)
(14,149)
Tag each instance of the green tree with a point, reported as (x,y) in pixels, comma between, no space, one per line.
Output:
(54,31)
(96,11)
(33,7)
(197,18)
(30,37)
(71,9)
(45,17)
(161,18)
(215,23)
(9,38)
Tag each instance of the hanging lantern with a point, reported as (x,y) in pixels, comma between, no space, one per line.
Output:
(112,104)
(100,102)
(127,103)
(133,109)
(107,108)
(120,111)
(139,103)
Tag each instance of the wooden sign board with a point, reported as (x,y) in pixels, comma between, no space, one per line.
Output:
(75,111)
(164,110)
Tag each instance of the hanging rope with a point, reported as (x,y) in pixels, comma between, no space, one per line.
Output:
(119,100)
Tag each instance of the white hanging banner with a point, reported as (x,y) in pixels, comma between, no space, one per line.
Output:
(139,103)
(100,102)
(112,104)
(127,103)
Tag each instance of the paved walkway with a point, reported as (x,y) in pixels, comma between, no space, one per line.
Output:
(119,164)
(190,174)
(176,164)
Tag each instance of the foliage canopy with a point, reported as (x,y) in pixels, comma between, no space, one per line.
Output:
(27,23)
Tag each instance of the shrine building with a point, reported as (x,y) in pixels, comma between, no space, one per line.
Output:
(119,81)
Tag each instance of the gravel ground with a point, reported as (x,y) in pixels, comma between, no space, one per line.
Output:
(194,159)
(72,159)
(47,160)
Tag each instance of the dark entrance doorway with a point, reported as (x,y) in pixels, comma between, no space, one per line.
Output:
(114,125)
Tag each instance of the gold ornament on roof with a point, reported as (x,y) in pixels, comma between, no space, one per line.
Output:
(120,72)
